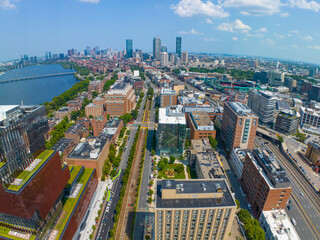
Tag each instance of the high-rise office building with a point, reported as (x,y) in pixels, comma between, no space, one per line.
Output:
(276,78)
(47,56)
(27,125)
(315,93)
(263,103)
(178,46)
(184,57)
(193,209)
(164,48)
(156,48)
(239,126)
(50,55)
(310,116)
(129,47)
(171,132)
(164,60)
(265,181)
(87,51)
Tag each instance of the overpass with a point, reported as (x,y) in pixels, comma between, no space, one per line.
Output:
(34,77)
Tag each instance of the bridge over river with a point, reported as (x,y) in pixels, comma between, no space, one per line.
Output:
(33,77)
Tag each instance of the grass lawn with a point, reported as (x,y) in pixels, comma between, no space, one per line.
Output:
(74,170)
(161,174)
(192,173)
(4,232)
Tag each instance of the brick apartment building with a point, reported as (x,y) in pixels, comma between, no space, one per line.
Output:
(168,97)
(93,110)
(62,112)
(200,125)
(265,181)
(97,124)
(96,86)
(120,99)
(239,126)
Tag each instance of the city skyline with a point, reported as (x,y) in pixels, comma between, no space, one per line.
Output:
(239,27)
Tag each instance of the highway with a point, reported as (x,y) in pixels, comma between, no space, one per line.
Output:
(107,224)
(304,201)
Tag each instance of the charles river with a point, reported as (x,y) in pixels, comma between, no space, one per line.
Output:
(37,90)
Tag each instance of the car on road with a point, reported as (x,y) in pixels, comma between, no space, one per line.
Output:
(293,221)
(289,207)
(302,194)
(107,209)
(109,203)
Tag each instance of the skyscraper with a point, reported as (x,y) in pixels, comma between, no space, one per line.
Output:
(156,48)
(164,59)
(129,48)
(164,48)
(184,58)
(178,46)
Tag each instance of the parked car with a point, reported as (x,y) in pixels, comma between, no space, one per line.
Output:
(293,221)
(249,206)
(289,207)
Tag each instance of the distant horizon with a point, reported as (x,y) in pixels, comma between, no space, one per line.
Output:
(284,29)
(209,53)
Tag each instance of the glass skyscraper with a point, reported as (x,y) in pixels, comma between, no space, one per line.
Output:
(129,48)
(156,48)
(178,46)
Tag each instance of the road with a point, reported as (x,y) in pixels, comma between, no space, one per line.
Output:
(142,211)
(107,224)
(303,210)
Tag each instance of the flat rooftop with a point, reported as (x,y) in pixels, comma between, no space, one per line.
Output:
(241,109)
(201,119)
(194,188)
(280,225)
(167,117)
(62,144)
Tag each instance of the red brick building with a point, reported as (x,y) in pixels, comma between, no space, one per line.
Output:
(265,182)
(239,126)
(168,97)
(97,124)
(200,125)
(96,86)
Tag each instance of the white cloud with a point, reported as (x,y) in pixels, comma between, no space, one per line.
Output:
(305,4)
(90,1)
(295,31)
(192,31)
(285,14)
(236,26)
(189,8)
(245,13)
(289,35)
(7,4)
(210,39)
(294,46)
(269,41)
(235,39)
(315,47)
(254,7)
(307,38)
(278,35)
(263,29)
(209,21)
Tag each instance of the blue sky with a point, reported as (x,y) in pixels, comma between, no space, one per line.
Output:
(288,29)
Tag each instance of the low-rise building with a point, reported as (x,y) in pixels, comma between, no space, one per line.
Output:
(208,165)
(62,112)
(287,122)
(97,124)
(76,132)
(93,110)
(64,146)
(75,104)
(237,158)
(310,116)
(313,152)
(200,125)
(193,209)
(276,225)
(96,86)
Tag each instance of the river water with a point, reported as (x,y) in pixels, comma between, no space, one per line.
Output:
(34,91)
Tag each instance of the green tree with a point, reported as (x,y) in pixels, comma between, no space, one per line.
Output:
(90,116)
(94,94)
(150,183)
(238,203)
(172,159)
(280,139)
(108,116)
(187,146)
(150,192)
(179,168)
(153,152)
(150,200)
(161,165)
(134,114)
(213,142)
(165,160)
(254,232)
(181,158)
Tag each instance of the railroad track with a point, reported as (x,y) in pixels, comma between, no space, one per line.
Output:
(126,220)
(299,180)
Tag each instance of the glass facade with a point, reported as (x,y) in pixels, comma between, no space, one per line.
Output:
(129,48)
(178,46)
(21,139)
(156,48)
(171,139)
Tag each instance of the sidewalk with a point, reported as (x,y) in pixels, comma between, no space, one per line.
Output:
(94,208)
